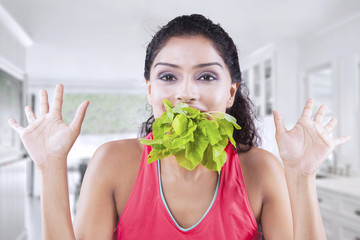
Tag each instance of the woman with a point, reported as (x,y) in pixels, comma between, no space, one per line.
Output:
(193,61)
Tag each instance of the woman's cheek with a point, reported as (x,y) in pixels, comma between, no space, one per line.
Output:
(158,104)
(216,100)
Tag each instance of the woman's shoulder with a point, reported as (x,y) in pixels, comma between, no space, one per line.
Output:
(115,165)
(123,149)
(120,154)
(117,159)
(261,170)
(260,161)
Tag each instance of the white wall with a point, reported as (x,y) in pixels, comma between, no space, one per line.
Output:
(11,50)
(13,44)
(286,93)
(339,46)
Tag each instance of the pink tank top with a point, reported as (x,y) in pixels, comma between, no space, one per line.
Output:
(147,217)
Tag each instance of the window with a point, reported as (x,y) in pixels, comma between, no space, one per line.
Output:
(107,113)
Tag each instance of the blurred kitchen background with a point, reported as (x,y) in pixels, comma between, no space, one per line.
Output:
(289,51)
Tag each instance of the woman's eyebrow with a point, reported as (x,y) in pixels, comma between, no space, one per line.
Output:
(167,64)
(208,64)
(202,65)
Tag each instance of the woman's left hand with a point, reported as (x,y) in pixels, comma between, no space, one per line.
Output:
(308,143)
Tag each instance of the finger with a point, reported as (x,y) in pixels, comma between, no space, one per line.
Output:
(329,127)
(319,116)
(58,98)
(44,102)
(29,114)
(341,140)
(79,116)
(15,125)
(279,123)
(324,135)
(308,108)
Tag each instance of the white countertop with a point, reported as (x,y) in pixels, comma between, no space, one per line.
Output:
(349,186)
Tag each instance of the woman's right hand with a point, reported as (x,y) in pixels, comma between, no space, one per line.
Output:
(47,138)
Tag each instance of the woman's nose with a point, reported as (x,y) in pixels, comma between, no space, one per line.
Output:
(187,91)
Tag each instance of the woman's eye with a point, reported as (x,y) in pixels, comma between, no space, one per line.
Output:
(207,77)
(167,77)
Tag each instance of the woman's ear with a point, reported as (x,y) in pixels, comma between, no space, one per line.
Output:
(148,90)
(233,89)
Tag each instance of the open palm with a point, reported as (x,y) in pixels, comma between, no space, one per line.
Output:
(47,138)
(306,146)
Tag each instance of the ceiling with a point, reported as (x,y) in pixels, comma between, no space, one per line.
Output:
(99,41)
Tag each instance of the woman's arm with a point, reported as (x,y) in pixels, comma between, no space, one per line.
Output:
(48,141)
(96,212)
(307,222)
(55,208)
(302,150)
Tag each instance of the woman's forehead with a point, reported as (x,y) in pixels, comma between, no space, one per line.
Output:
(188,50)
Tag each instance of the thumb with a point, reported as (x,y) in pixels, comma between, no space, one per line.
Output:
(79,116)
(279,123)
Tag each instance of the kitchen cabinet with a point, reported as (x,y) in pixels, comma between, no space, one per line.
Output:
(271,76)
(339,201)
(12,199)
(258,76)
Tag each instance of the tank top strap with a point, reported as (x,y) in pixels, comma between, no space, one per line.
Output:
(233,178)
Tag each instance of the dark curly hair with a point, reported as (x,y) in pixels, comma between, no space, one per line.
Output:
(194,25)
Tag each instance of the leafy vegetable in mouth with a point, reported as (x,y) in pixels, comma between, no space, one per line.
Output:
(192,136)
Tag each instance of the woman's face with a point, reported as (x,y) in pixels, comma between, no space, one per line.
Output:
(189,70)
